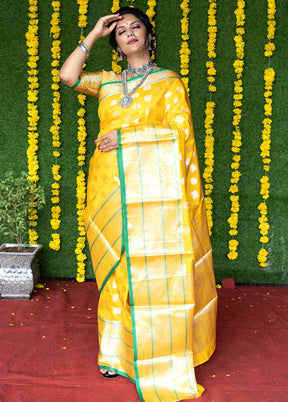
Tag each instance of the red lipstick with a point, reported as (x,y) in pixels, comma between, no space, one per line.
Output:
(132,41)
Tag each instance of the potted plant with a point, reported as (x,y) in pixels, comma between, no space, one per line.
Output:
(19,270)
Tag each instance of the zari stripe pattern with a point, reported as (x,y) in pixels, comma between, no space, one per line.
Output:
(164,261)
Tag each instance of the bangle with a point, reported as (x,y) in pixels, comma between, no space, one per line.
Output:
(84,48)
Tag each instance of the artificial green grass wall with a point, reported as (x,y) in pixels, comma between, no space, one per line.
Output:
(14,122)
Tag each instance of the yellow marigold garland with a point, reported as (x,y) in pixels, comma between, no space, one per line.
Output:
(81,191)
(55,31)
(82,14)
(81,177)
(236,142)
(115,57)
(209,112)
(151,11)
(115,6)
(185,51)
(269,76)
(32,41)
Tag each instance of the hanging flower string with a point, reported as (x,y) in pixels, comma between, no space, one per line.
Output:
(81,177)
(32,41)
(115,6)
(55,30)
(115,57)
(237,139)
(269,76)
(209,112)
(185,51)
(150,12)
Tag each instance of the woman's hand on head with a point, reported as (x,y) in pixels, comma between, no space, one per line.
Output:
(106,24)
(107,142)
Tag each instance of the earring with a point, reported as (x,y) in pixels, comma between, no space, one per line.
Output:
(152,45)
(120,54)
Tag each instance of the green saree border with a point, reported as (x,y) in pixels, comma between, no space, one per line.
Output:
(113,268)
(132,79)
(126,242)
(74,85)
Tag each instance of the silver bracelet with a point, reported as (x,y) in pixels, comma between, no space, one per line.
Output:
(84,48)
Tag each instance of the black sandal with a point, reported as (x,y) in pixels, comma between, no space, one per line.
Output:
(107,375)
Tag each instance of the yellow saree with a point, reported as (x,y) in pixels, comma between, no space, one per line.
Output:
(147,231)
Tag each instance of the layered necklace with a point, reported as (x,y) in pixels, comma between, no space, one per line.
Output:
(127,99)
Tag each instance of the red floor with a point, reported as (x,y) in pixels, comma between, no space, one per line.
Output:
(49,346)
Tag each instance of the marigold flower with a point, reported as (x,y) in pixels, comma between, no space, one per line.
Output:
(269,76)
(209,112)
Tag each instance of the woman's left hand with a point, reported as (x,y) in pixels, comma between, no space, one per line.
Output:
(107,142)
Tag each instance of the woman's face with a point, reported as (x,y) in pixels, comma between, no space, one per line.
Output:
(131,35)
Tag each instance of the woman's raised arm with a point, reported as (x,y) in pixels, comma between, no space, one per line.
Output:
(72,67)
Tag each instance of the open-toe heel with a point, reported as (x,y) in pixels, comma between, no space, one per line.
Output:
(107,375)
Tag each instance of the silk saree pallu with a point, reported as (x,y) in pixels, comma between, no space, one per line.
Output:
(148,237)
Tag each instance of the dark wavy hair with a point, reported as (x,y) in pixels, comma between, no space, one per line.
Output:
(138,14)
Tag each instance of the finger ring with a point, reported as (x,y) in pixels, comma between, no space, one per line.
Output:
(106,141)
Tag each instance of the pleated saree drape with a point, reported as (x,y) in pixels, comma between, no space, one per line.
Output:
(148,237)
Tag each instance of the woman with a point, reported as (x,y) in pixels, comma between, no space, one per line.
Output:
(145,218)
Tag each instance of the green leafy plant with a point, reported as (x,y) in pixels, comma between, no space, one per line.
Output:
(17,196)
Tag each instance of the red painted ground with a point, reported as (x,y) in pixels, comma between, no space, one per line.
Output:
(48,348)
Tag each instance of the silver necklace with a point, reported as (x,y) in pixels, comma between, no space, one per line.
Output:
(127,99)
(140,70)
